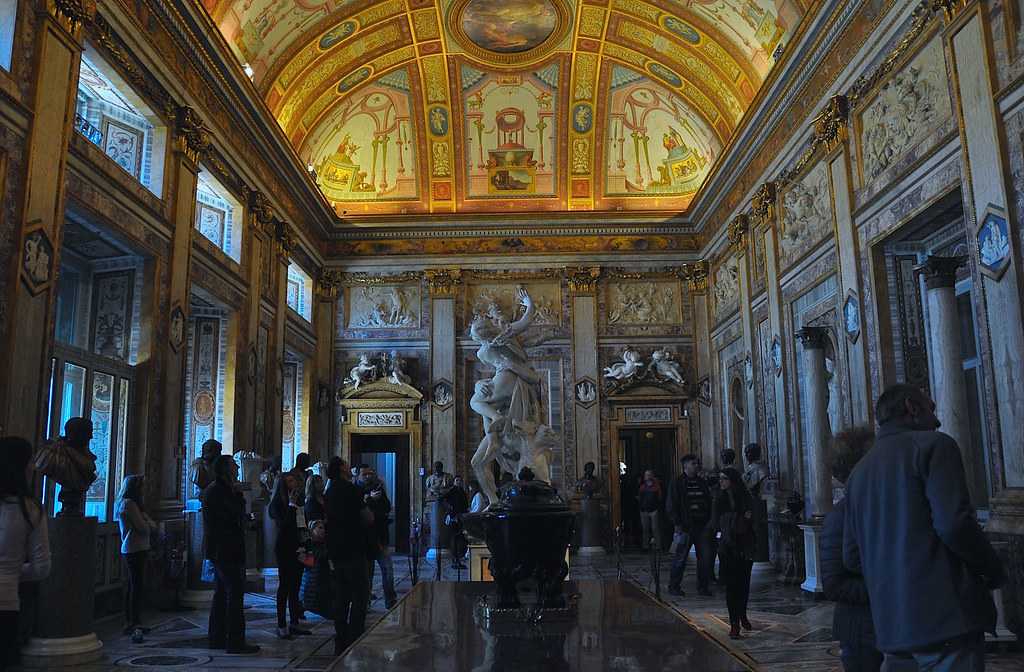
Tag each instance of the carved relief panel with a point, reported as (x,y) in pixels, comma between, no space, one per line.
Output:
(644,303)
(383,307)
(807,216)
(725,288)
(904,111)
(482,298)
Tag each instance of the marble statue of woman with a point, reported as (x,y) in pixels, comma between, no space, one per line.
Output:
(508,402)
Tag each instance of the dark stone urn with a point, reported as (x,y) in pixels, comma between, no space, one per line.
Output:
(527,531)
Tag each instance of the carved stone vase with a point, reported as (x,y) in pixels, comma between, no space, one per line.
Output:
(527,532)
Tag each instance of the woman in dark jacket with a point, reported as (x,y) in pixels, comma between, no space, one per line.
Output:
(286,510)
(314,506)
(732,518)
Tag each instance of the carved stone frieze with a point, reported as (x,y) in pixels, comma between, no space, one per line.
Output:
(443,282)
(383,307)
(485,299)
(806,215)
(726,287)
(644,303)
(582,280)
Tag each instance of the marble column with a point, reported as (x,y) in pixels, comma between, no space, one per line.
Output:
(813,341)
(739,240)
(944,349)
(698,277)
(324,315)
(285,243)
(586,406)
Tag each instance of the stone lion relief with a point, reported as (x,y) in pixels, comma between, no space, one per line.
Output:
(807,215)
(644,303)
(908,107)
(488,300)
(726,286)
(384,307)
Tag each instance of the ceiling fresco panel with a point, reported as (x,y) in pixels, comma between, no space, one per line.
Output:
(406,107)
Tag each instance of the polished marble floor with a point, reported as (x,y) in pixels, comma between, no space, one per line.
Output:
(792,632)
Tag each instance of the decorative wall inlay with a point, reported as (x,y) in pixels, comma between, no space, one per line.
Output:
(586,392)
(123,144)
(905,110)
(37,260)
(806,215)
(776,355)
(648,415)
(493,298)
(383,307)
(442,393)
(111,315)
(644,303)
(994,243)
(380,419)
(851,317)
(704,391)
(176,332)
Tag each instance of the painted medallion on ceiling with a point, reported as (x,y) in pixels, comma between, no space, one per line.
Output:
(412,107)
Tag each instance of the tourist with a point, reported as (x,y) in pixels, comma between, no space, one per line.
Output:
(477,499)
(689,507)
(286,511)
(456,505)
(224,530)
(314,505)
(755,477)
(929,568)
(24,544)
(649,500)
(380,553)
(728,456)
(334,474)
(851,621)
(136,527)
(348,523)
(732,520)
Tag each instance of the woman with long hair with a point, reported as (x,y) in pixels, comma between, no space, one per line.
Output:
(136,528)
(732,517)
(24,544)
(285,509)
(314,506)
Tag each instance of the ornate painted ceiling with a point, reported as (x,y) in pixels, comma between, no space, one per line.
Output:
(403,107)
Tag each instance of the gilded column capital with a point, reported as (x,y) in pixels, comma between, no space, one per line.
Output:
(260,209)
(583,280)
(940,271)
(831,127)
(72,13)
(190,136)
(285,239)
(738,229)
(813,338)
(696,275)
(951,8)
(327,283)
(443,282)
(763,204)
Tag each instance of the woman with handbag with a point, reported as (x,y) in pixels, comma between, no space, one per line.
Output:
(136,528)
(286,510)
(732,517)
(24,544)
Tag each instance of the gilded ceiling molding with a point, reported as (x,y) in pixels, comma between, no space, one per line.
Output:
(368,279)
(763,204)
(582,280)
(497,276)
(738,229)
(922,18)
(190,136)
(443,282)
(72,13)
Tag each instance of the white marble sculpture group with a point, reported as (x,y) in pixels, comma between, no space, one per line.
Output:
(367,370)
(509,401)
(662,368)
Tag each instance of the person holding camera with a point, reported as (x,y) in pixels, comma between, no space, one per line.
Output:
(380,553)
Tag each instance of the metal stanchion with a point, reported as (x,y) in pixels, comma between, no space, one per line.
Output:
(414,556)
(655,560)
(618,552)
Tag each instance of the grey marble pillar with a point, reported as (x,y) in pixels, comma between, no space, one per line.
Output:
(944,349)
(813,340)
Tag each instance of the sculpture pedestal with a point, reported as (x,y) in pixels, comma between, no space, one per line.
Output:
(593,526)
(438,533)
(197,593)
(812,557)
(63,633)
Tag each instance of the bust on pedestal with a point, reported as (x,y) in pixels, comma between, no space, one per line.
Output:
(198,592)
(438,485)
(63,633)
(587,489)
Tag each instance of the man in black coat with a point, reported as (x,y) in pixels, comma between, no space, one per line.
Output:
(224,518)
(689,506)
(349,539)
(912,533)
(851,621)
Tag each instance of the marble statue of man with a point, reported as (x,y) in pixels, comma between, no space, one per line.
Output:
(439,483)
(508,402)
(201,470)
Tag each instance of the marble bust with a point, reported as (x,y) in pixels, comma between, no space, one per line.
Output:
(201,470)
(70,462)
(589,485)
(439,483)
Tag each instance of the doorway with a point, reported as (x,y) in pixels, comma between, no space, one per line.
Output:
(643,449)
(388,454)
